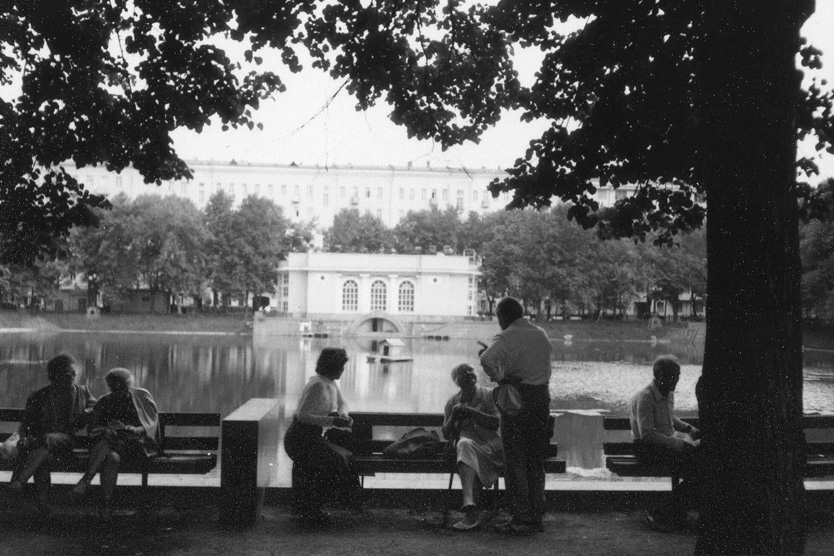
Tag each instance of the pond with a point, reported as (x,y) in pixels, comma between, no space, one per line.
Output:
(218,373)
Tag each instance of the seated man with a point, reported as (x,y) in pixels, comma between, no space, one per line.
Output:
(47,433)
(662,440)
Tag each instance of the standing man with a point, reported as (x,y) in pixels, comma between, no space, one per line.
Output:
(662,440)
(520,354)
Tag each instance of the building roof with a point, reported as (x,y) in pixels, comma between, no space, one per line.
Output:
(393,342)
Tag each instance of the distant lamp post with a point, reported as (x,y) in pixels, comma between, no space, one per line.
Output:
(92,289)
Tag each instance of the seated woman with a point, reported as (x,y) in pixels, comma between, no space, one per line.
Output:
(472,419)
(321,470)
(52,417)
(125,423)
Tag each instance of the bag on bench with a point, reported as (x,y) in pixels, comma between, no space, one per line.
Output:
(415,444)
(8,449)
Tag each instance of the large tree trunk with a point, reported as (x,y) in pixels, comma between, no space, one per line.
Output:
(750,393)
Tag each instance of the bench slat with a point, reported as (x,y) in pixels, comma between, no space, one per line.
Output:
(819,467)
(173,443)
(371,465)
(397,419)
(618,448)
(818,422)
(624,423)
(189,419)
(7,414)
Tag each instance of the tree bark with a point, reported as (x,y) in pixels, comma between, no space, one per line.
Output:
(750,392)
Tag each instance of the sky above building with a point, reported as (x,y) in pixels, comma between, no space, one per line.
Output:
(315,123)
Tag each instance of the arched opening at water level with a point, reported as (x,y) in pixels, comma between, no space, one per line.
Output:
(376,323)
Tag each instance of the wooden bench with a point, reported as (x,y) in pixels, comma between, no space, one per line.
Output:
(370,460)
(620,458)
(819,445)
(184,451)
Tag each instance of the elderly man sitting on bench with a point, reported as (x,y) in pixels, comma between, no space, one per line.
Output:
(662,440)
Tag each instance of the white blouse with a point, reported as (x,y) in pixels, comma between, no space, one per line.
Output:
(320,397)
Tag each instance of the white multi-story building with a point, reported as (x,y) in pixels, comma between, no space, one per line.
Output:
(316,193)
(319,193)
(374,291)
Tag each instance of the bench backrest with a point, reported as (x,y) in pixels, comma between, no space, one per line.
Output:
(173,439)
(809,423)
(397,424)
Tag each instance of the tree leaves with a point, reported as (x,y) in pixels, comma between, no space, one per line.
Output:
(107,83)
(353,232)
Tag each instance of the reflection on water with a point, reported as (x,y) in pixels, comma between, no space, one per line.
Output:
(220,373)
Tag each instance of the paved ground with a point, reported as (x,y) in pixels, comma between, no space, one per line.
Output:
(194,530)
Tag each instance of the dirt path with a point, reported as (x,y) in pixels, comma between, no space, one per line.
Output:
(384,532)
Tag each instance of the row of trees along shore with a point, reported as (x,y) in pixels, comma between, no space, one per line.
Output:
(538,256)
(705,96)
(169,245)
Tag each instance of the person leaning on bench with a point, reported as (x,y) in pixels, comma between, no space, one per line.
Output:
(662,440)
(125,426)
(322,470)
(471,418)
(47,433)
(520,354)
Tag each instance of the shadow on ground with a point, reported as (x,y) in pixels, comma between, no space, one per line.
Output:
(172,530)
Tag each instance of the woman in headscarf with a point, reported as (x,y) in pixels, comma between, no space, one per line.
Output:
(321,470)
(472,419)
(52,417)
(125,423)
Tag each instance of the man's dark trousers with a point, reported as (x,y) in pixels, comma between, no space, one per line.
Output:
(685,466)
(525,437)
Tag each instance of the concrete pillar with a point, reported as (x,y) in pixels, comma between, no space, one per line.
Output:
(249,460)
(393,294)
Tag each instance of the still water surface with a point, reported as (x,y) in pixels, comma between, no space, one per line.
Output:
(220,373)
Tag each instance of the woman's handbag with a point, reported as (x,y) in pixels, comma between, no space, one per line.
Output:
(8,449)
(507,398)
(415,444)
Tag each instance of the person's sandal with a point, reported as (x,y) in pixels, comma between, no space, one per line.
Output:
(518,529)
(655,523)
(471,521)
(80,490)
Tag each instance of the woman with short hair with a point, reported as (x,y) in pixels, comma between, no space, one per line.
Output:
(125,423)
(322,471)
(472,420)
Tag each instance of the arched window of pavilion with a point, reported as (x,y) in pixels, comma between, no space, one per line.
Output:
(379,293)
(406,298)
(350,297)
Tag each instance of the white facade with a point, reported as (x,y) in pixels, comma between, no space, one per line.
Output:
(348,286)
(315,193)
(319,193)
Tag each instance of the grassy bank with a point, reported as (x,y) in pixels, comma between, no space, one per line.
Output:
(237,322)
(817,337)
(611,330)
(195,322)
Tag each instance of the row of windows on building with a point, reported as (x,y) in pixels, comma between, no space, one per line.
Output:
(411,194)
(379,296)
